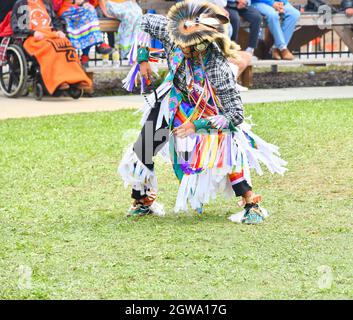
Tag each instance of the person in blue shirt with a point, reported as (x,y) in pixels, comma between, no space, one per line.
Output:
(275,11)
(242,8)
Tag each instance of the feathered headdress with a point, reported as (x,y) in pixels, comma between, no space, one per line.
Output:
(193,22)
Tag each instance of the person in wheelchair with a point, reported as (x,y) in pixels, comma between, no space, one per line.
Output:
(82,27)
(44,40)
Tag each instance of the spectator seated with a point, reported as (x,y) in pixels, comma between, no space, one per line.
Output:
(82,27)
(38,51)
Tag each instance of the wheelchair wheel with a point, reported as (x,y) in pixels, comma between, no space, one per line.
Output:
(38,91)
(75,93)
(13,76)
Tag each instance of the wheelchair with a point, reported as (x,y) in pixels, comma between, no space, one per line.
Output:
(21,75)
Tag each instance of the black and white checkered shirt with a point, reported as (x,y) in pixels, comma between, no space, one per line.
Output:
(217,68)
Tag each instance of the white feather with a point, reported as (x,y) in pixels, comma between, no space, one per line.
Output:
(209,21)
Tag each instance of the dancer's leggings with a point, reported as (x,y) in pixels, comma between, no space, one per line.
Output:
(150,142)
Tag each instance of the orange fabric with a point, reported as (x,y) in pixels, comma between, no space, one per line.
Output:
(66,5)
(39,17)
(58,61)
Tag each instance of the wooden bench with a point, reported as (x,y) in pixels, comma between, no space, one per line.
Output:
(161,6)
(109,25)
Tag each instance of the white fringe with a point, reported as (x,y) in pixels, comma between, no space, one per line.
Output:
(128,79)
(266,153)
(135,174)
(151,100)
(199,189)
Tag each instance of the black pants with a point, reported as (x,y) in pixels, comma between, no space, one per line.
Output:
(150,142)
(250,14)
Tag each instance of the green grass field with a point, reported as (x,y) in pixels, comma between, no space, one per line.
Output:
(64,235)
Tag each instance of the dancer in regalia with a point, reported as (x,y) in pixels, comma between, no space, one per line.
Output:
(195,117)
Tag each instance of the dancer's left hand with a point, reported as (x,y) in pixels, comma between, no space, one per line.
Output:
(185,130)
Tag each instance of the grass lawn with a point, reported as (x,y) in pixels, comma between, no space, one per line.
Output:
(63,231)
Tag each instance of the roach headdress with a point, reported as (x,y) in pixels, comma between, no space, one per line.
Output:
(192,22)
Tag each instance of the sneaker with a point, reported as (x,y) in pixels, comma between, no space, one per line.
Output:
(146,205)
(252,214)
(138,210)
(104,49)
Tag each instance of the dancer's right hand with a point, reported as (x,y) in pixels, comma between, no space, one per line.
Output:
(145,70)
(38,35)
(185,130)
